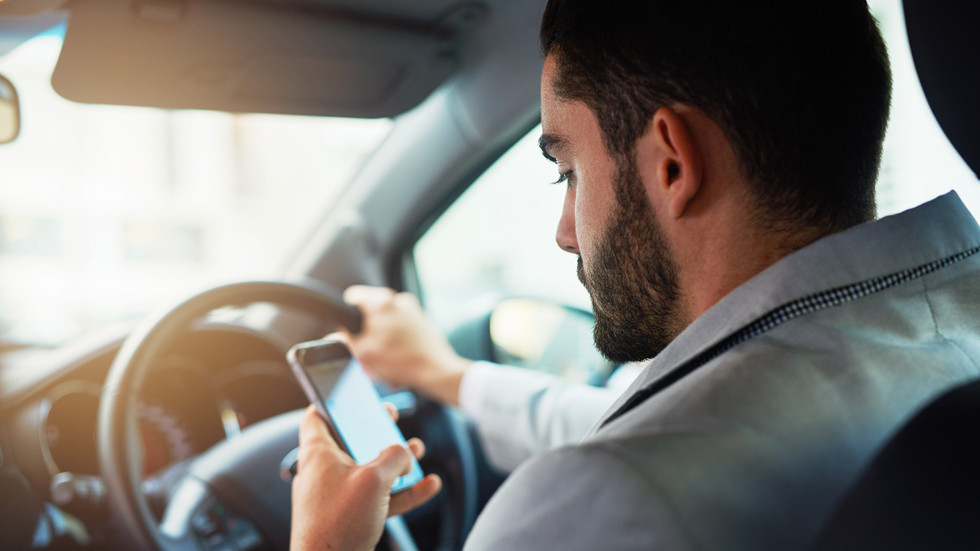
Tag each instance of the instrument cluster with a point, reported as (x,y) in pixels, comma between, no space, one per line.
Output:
(183,409)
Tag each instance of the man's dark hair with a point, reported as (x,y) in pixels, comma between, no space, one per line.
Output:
(801,90)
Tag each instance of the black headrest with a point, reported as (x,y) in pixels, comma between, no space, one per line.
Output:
(945,42)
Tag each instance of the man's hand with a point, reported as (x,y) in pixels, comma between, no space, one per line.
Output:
(399,344)
(338,504)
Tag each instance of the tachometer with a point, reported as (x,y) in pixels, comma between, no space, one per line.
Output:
(173,426)
(68,420)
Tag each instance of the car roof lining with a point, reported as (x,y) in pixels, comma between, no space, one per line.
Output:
(313,57)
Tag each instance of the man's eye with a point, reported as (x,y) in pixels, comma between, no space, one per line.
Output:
(562,178)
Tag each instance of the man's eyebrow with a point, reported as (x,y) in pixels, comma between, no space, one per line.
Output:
(548,144)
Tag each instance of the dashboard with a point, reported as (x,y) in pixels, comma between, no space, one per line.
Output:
(184,409)
(214,382)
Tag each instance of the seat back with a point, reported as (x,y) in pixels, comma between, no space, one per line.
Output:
(922,491)
(945,44)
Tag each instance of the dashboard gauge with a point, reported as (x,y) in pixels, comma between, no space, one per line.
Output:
(177,418)
(165,440)
(70,418)
(185,406)
(68,429)
(180,410)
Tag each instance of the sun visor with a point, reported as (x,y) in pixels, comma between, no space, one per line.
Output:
(254,57)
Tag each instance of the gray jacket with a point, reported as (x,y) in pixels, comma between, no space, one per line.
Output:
(745,431)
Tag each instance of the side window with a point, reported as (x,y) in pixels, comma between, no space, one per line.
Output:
(493,251)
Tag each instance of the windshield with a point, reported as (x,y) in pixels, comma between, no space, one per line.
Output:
(107,212)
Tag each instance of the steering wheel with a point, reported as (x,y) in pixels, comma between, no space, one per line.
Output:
(234,493)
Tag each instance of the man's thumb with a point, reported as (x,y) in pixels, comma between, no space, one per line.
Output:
(392,462)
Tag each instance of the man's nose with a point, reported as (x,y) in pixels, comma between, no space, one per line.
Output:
(566,225)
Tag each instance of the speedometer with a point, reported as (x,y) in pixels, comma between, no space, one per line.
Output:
(176,418)
(165,440)
(69,425)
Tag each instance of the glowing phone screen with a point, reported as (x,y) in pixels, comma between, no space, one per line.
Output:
(355,408)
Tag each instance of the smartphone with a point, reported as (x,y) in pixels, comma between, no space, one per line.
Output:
(348,402)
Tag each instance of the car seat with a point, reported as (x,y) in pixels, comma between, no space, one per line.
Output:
(922,491)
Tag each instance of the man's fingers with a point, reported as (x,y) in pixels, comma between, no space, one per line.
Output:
(392,410)
(417,447)
(313,435)
(366,295)
(405,501)
(392,462)
(317,448)
(312,427)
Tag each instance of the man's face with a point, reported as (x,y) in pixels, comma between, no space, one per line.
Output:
(624,259)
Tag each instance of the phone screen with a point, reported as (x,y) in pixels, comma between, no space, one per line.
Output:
(348,397)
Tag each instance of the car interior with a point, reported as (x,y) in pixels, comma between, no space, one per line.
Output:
(146,406)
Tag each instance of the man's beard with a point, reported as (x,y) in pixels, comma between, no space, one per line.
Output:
(632,278)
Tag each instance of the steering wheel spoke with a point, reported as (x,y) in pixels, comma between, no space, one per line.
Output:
(197,519)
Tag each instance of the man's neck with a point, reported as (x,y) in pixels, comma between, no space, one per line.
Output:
(724,250)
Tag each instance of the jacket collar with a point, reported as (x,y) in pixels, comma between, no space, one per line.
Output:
(935,230)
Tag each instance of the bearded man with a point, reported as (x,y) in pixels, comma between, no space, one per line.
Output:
(720,160)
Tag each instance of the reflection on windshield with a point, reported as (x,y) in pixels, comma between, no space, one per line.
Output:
(107,212)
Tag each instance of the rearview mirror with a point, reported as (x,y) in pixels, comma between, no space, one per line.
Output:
(9,111)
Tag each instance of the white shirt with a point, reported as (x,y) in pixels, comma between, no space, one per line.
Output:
(520,413)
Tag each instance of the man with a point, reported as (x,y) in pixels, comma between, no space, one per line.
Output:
(720,160)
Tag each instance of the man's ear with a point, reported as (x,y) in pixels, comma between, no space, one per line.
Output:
(675,160)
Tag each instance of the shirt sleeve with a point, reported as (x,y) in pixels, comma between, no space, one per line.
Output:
(520,413)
